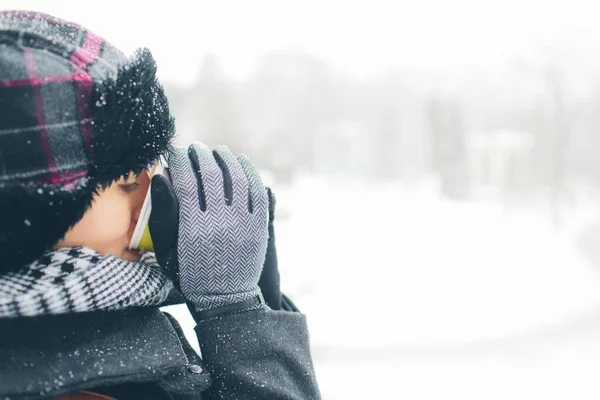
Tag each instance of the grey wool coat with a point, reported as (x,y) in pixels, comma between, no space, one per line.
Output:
(141,353)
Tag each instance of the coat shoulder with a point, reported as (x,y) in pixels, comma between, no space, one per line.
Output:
(53,355)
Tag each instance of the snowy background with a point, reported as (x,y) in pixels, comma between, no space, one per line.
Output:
(437,170)
(438,299)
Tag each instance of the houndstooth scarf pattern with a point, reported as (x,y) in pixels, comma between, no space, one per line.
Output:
(79,279)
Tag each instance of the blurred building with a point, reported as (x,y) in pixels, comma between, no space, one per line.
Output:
(501,160)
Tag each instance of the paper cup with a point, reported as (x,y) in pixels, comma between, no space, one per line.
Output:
(141,238)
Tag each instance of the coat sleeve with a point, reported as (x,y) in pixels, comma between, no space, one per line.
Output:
(260,354)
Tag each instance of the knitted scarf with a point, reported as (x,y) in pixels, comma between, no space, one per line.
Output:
(79,279)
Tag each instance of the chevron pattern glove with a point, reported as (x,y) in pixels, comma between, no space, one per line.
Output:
(210,227)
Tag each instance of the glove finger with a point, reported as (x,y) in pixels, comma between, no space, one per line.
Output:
(269,278)
(183,179)
(258,198)
(235,181)
(186,189)
(164,218)
(209,176)
(272,204)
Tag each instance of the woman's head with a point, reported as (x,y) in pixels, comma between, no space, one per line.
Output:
(78,120)
(108,224)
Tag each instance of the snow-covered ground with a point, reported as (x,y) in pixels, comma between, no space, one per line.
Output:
(412,296)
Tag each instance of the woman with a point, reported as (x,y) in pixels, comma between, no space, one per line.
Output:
(79,319)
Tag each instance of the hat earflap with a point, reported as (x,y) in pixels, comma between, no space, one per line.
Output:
(34,218)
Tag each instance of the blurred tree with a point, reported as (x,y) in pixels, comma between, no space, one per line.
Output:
(386,146)
(289,95)
(449,153)
(560,139)
(212,112)
(589,151)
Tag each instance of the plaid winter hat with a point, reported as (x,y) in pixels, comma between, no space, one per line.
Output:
(75,115)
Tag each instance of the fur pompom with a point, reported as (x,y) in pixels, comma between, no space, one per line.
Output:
(132,123)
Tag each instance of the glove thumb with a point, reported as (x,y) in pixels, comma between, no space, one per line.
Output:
(164,221)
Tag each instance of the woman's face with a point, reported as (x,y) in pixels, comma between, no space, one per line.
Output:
(107,226)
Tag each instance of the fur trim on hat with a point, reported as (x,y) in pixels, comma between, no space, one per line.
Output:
(132,123)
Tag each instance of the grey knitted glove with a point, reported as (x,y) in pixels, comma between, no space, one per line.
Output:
(217,257)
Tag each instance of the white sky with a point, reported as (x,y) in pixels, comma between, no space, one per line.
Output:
(357,37)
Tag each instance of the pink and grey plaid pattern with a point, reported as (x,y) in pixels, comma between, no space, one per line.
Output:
(46,97)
